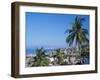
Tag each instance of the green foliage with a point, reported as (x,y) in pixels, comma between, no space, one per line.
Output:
(60,56)
(40,59)
(85,50)
(77,34)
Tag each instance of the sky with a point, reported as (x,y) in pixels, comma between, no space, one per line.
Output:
(48,30)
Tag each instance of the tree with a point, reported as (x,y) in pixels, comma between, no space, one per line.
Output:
(60,56)
(77,34)
(40,59)
(85,50)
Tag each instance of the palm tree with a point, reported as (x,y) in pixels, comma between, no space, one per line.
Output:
(59,56)
(40,59)
(77,34)
(85,50)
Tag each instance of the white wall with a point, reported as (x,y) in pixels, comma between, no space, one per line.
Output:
(5,40)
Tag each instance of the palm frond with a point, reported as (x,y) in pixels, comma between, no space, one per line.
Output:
(70,39)
(77,32)
(68,31)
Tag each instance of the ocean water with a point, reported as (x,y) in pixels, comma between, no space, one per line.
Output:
(31,51)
